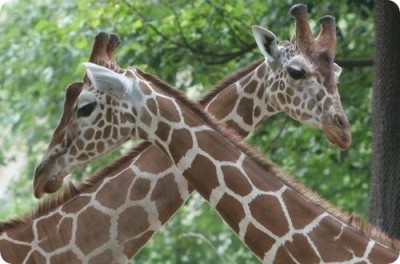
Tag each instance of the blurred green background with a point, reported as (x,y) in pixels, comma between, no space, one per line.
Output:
(192,45)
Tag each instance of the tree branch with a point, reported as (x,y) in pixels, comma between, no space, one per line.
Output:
(216,58)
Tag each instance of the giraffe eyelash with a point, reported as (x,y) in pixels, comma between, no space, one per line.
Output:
(86,110)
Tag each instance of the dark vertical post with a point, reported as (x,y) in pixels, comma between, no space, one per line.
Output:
(385,192)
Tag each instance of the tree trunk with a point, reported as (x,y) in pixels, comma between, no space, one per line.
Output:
(385,192)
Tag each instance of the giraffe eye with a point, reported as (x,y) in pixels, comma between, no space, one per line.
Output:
(296,73)
(86,110)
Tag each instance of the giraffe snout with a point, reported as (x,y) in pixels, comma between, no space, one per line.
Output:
(45,180)
(337,130)
(39,179)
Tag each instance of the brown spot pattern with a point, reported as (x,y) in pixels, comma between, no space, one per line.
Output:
(327,229)
(210,141)
(208,175)
(145,89)
(151,104)
(92,217)
(261,71)
(100,147)
(245,109)
(258,241)
(281,85)
(163,130)
(251,87)
(260,92)
(311,105)
(231,210)
(47,232)
(221,110)
(296,101)
(281,98)
(235,181)
(88,134)
(109,115)
(300,211)
(65,257)
(257,111)
(107,131)
(145,117)
(270,214)
(104,257)
(170,112)
(125,228)
(112,194)
(301,250)
(320,94)
(166,195)
(283,256)
(274,87)
(36,257)
(131,247)
(305,116)
(140,189)
(257,176)
(152,160)
(181,142)
(80,144)
(79,203)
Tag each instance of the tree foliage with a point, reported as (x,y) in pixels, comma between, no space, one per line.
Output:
(191,44)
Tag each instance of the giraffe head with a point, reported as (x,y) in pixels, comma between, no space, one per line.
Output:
(87,126)
(303,76)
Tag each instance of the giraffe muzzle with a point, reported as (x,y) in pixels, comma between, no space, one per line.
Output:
(45,180)
(337,130)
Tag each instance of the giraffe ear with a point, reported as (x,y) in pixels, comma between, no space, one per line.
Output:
(337,69)
(104,79)
(266,42)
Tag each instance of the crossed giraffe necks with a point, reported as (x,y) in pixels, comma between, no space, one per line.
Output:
(141,187)
(267,211)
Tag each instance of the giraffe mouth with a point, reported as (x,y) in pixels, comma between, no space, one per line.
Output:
(45,180)
(336,128)
(341,137)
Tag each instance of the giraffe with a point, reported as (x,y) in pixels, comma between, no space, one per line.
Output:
(123,177)
(292,78)
(278,219)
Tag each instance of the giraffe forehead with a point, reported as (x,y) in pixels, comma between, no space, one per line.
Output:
(317,60)
(86,97)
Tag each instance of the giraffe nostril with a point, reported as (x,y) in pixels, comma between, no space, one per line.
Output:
(340,121)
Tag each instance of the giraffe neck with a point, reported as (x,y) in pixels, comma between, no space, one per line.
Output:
(246,102)
(257,201)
